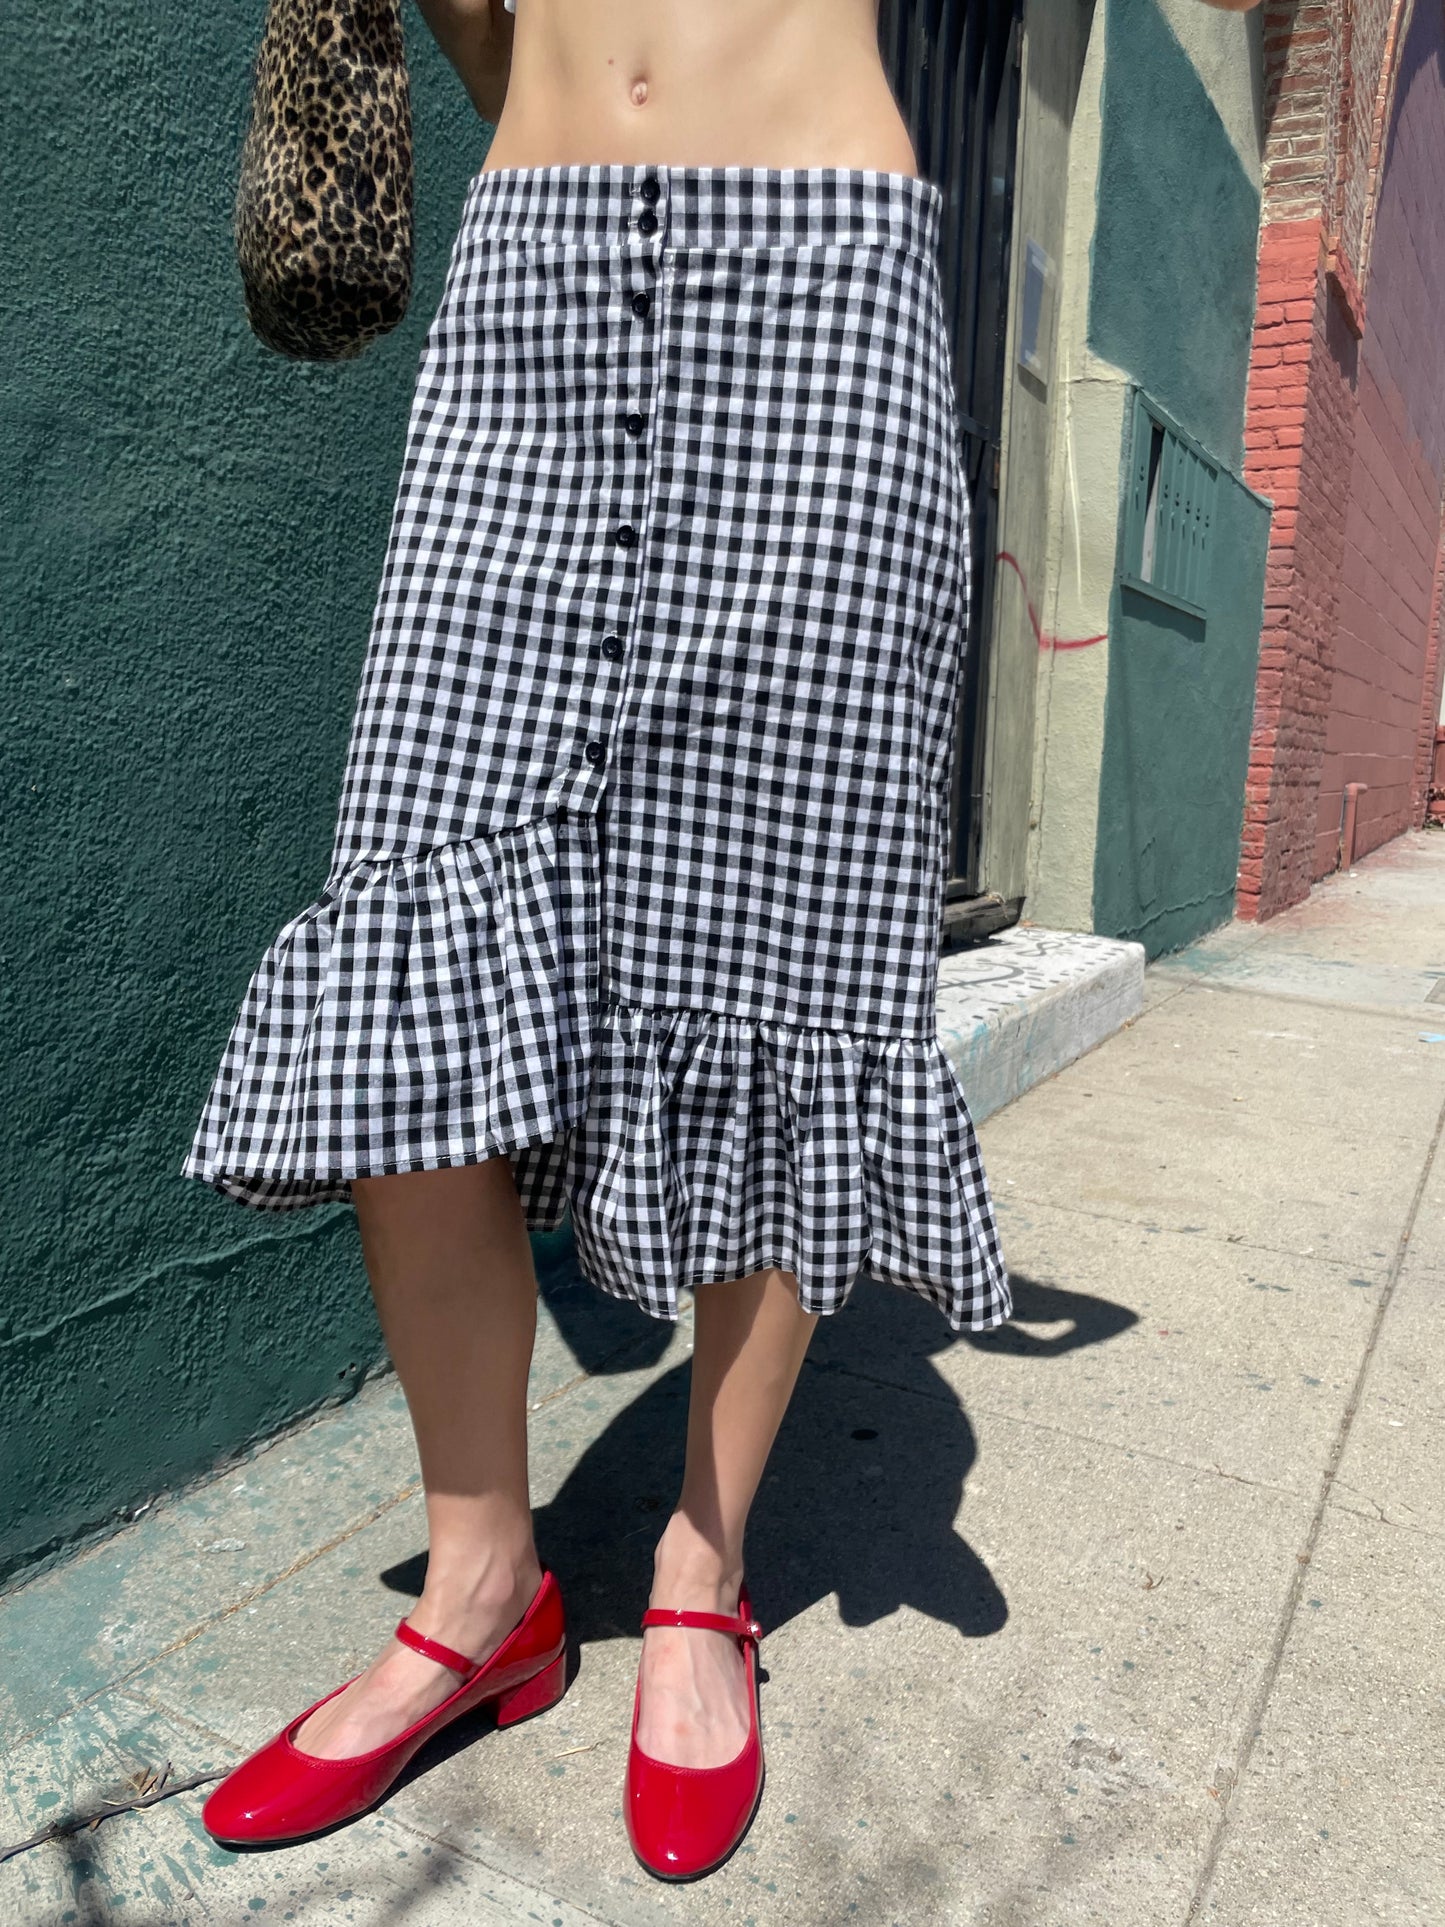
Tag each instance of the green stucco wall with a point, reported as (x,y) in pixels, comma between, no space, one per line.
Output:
(192,539)
(1176,743)
(1172,295)
(1175,242)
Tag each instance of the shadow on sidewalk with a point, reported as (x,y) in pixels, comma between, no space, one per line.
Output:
(864,1486)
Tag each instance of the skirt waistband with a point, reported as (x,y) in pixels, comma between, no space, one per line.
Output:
(704,207)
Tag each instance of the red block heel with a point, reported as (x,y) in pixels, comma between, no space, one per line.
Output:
(281,1793)
(536,1695)
(684,1821)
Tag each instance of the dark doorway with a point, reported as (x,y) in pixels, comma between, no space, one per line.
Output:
(954,67)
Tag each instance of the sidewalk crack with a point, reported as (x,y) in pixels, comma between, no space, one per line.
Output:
(1289,1613)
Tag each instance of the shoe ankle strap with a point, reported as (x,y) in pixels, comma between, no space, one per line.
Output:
(735,1623)
(433,1649)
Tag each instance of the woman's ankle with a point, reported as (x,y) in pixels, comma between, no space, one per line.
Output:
(467,1588)
(692,1570)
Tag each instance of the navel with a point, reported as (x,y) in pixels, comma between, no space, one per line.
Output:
(639,91)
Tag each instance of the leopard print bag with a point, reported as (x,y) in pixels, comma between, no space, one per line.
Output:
(323,219)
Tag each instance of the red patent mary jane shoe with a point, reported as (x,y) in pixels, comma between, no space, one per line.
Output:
(281,1793)
(684,1821)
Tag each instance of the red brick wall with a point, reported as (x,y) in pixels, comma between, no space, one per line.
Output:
(1392,529)
(1368,31)
(1342,434)
(1297,448)
(1295,437)
(1386,655)
(1370,139)
(1303,59)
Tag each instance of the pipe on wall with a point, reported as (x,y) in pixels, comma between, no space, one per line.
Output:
(1349,816)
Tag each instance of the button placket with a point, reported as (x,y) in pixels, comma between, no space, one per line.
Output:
(638,369)
(650,190)
(649,221)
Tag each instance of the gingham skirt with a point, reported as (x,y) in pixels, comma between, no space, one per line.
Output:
(638,869)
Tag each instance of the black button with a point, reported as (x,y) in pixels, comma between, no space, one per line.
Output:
(651,189)
(641,303)
(634,424)
(612,648)
(626,536)
(596,753)
(647,221)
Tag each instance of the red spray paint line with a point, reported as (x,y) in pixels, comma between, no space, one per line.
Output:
(1045,641)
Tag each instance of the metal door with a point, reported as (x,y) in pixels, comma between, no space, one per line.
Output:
(954,68)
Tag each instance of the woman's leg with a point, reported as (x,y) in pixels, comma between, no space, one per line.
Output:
(748,1350)
(451,1270)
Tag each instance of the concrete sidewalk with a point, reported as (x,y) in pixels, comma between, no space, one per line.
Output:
(1127,1613)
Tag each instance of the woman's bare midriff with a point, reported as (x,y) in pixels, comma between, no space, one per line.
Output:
(755,83)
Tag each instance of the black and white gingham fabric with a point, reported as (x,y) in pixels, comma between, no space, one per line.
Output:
(639,862)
